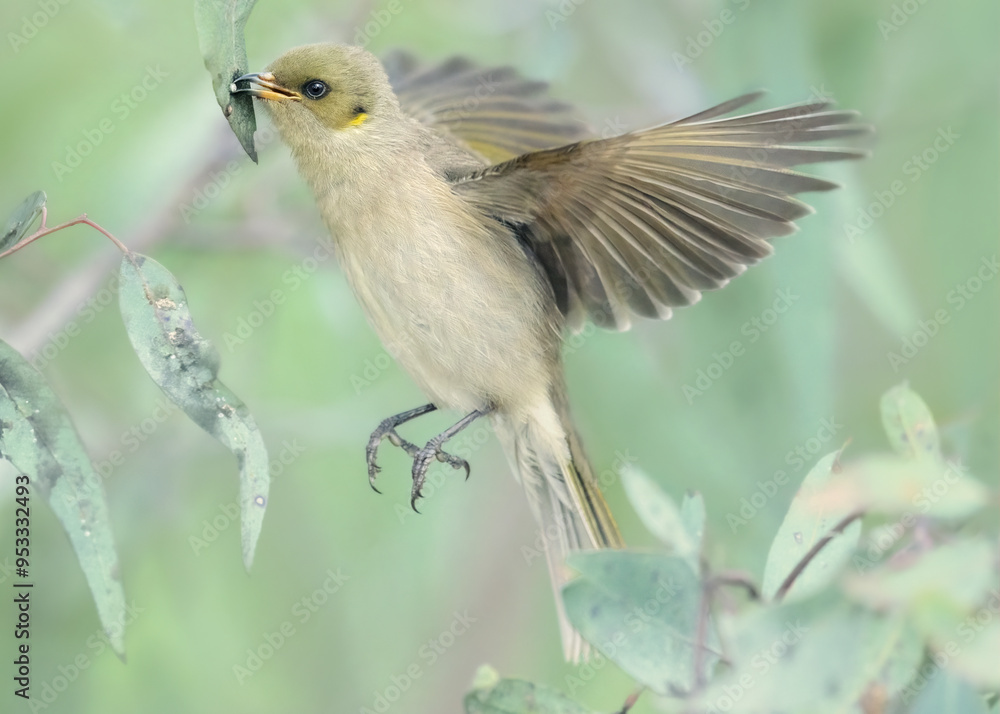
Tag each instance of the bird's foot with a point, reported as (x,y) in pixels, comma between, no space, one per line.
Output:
(422,461)
(385,430)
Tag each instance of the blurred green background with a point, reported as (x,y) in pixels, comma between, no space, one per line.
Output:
(170,180)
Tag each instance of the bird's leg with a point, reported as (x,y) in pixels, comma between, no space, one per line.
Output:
(387,429)
(423,458)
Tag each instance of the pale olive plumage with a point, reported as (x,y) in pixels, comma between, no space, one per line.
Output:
(475,224)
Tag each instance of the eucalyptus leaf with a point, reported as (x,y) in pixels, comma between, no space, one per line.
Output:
(908,423)
(979,645)
(693,518)
(943,693)
(938,585)
(641,610)
(516,696)
(38,438)
(900,659)
(185,366)
(810,518)
(220,25)
(896,484)
(793,659)
(660,514)
(21,219)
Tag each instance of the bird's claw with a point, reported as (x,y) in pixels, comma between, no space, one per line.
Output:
(422,457)
(422,462)
(385,430)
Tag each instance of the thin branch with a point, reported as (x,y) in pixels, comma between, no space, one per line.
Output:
(737,578)
(701,635)
(631,700)
(86,221)
(44,231)
(789,581)
(713,583)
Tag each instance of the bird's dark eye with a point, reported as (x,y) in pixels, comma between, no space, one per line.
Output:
(315,89)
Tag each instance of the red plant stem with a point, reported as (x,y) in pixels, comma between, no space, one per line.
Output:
(44,231)
(631,700)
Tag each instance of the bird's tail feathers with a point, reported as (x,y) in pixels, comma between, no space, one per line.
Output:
(547,456)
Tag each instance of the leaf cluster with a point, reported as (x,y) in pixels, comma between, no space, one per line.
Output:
(877,596)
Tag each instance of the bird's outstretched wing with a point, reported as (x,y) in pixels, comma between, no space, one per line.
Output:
(647,221)
(493,111)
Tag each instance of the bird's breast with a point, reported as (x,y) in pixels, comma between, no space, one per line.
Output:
(451,294)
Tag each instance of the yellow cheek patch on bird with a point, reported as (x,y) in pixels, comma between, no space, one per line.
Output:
(360,119)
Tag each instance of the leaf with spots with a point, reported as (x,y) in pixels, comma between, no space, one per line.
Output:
(185,366)
(642,611)
(38,438)
(220,25)
(811,516)
(492,695)
(21,219)
(790,659)
(909,424)
(693,518)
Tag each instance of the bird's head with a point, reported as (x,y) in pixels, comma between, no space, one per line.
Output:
(317,90)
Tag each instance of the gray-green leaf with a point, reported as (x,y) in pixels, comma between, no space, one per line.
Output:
(184,365)
(943,692)
(953,578)
(693,518)
(516,696)
(795,659)
(220,25)
(661,516)
(22,219)
(38,438)
(641,611)
(895,484)
(900,659)
(980,650)
(909,424)
(810,517)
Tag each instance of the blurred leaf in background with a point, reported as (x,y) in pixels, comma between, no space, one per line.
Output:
(893,278)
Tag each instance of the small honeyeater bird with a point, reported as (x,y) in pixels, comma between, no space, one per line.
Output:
(476,224)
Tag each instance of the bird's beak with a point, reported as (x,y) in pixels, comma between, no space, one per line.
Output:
(263,86)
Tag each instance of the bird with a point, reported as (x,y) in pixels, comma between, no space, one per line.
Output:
(478,224)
